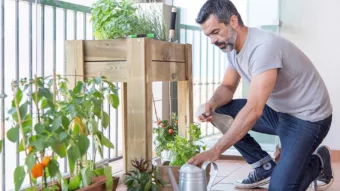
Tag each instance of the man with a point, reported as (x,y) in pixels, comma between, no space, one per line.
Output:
(287,97)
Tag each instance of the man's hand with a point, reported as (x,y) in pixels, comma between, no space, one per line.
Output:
(210,155)
(206,116)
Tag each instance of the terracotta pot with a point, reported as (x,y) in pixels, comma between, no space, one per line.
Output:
(99,184)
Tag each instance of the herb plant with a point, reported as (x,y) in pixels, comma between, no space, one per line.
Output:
(182,149)
(143,177)
(166,133)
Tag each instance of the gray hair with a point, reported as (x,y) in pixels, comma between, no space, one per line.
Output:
(222,9)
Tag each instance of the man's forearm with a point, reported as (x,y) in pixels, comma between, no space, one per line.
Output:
(222,95)
(243,122)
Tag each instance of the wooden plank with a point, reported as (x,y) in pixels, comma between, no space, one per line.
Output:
(114,71)
(148,100)
(185,96)
(124,125)
(166,71)
(105,50)
(137,109)
(165,51)
(74,50)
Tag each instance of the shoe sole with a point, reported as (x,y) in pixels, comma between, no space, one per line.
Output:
(254,185)
(326,186)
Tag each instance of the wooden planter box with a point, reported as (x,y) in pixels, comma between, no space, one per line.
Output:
(100,184)
(137,63)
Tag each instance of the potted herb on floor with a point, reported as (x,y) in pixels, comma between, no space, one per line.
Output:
(61,125)
(166,131)
(144,177)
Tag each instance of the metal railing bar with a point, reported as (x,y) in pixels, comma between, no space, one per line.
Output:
(194,28)
(63,5)
(200,76)
(17,62)
(30,51)
(75,25)
(2,105)
(42,40)
(65,38)
(54,39)
(206,77)
(213,79)
(84,25)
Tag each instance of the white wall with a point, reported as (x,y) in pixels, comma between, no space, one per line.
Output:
(313,26)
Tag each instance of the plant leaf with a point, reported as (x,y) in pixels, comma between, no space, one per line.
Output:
(18,95)
(56,123)
(83,144)
(87,176)
(58,148)
(73,155)
(78,87)
(30,162)
(19,177)
(105,142)
(1,142)
(39,144)
(62,136)
(53,167)
(105,120)
(44,92)
(13,134)
(21,146)
(39,128)
(74,182)
(23,110)
(108,176)
(114,100)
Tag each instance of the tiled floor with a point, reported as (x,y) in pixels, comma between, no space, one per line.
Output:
(229,171)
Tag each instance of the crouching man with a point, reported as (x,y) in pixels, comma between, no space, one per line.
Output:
(287,97)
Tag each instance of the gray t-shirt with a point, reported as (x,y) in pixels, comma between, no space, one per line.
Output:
(299,89)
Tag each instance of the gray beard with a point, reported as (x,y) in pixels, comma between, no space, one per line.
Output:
(231,41)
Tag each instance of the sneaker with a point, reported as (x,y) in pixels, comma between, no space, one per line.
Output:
(326,177)
(259,177)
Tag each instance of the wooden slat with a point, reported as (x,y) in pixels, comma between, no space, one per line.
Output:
(124,124)
(185,97)
(105,50)
(137,97)
(114,71)
(74,61)
(148,101)
(166,71)
(165,51)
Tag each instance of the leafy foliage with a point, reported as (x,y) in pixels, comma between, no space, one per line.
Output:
(143,177)
(182,149)
(166,133)
(118,19)
(63,122)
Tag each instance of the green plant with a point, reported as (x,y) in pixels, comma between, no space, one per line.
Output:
(112,19)
(143,177)
(166,133)
(60,125)
(182,149)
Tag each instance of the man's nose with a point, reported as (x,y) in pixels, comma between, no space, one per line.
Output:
(213,40)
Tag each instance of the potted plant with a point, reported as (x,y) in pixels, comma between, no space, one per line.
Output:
(118,19)
(166,131)
(143,177)
(61,124)
(181,150)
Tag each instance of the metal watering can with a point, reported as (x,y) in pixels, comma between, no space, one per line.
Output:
(192,178)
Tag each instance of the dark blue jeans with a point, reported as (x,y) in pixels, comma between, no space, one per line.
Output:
(297,167)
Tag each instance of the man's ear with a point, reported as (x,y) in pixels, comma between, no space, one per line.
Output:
(233,21)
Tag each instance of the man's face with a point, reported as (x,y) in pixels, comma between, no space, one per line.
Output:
(221,35)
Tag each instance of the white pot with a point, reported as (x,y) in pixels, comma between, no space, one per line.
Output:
(165,155)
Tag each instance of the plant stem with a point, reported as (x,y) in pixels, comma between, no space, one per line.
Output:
(21,127)
(45,179)
(36,97)
(54,87)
